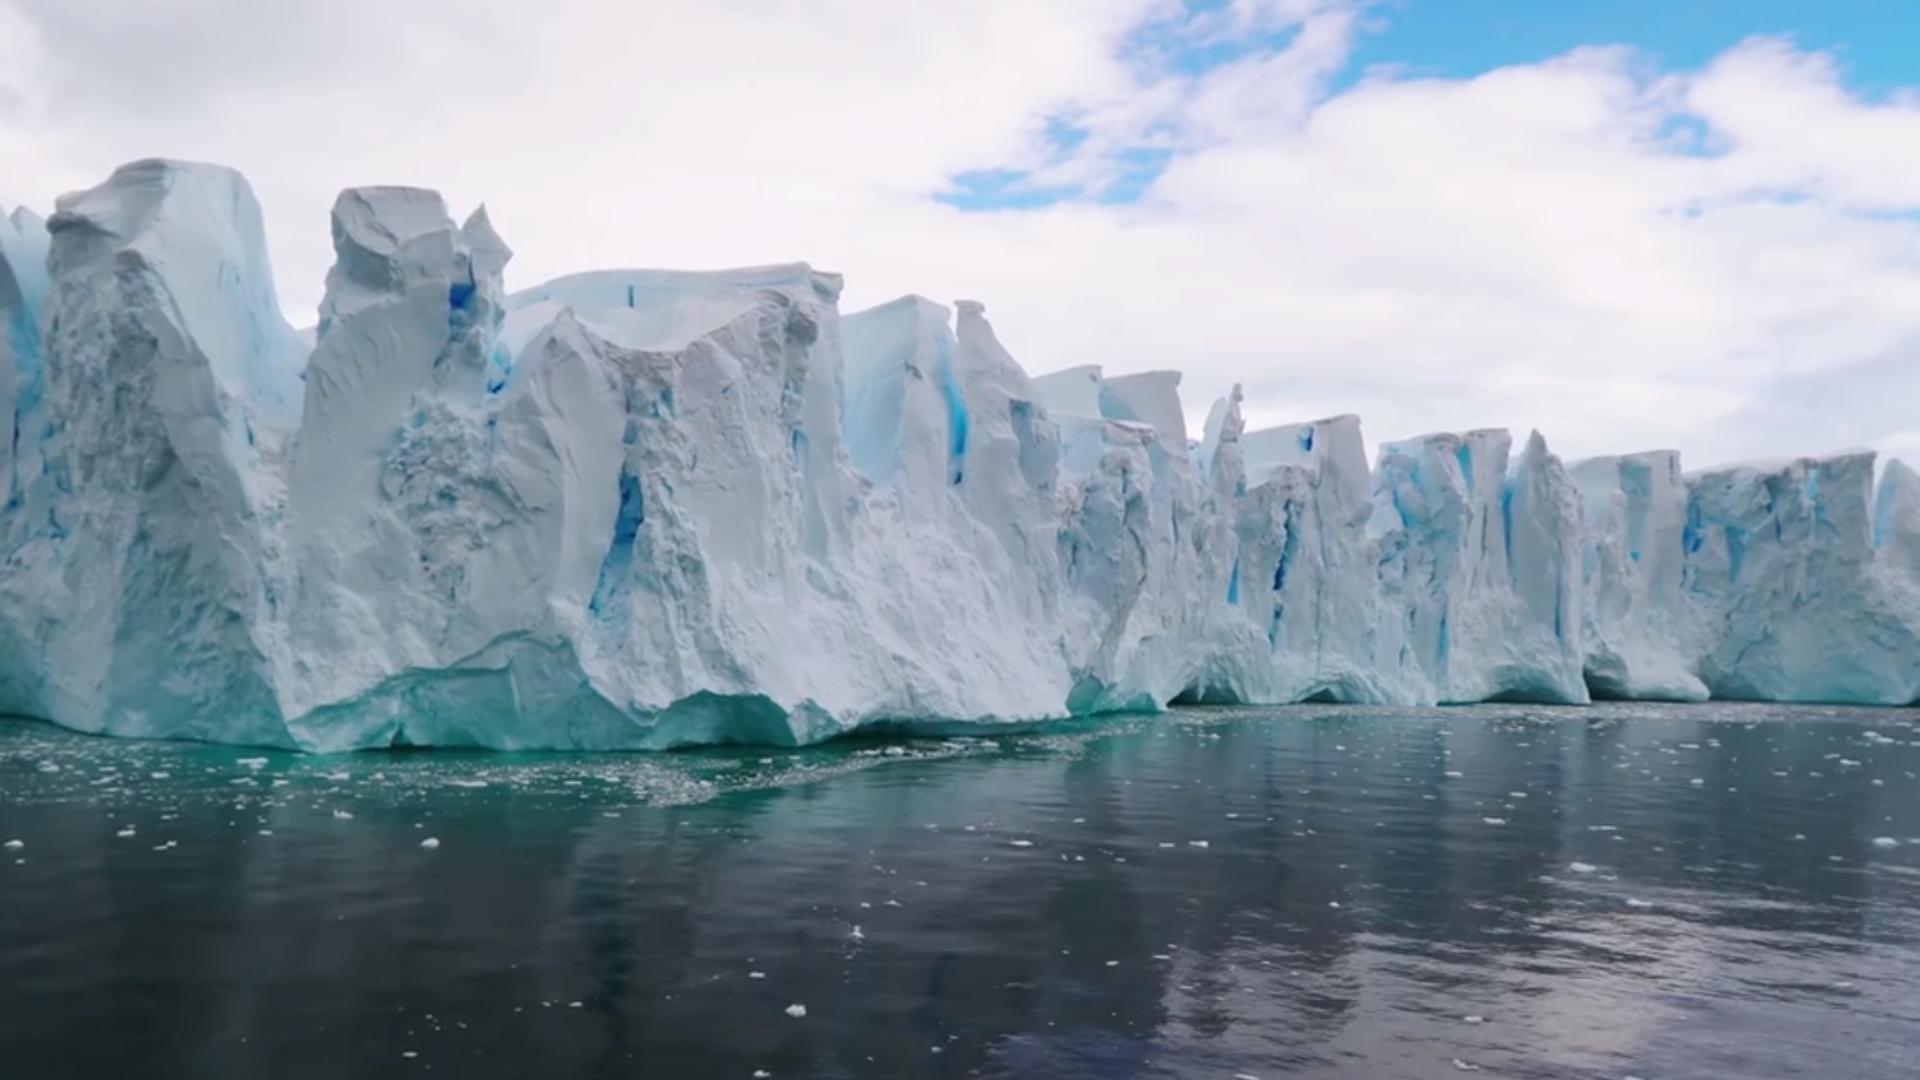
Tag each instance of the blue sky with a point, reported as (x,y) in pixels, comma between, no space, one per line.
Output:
(1874,41)
(1458,38)
(1439,253)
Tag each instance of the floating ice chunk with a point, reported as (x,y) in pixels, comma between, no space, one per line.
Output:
(796,1011)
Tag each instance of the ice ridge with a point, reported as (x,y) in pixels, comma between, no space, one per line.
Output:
(645,509)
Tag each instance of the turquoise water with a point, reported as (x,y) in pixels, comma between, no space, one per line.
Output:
(1702,891)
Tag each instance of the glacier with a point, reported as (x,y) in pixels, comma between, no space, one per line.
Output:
(648,509)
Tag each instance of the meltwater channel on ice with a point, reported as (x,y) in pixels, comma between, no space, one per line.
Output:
(649,509)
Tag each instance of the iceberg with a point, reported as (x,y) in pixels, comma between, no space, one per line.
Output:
(647,509)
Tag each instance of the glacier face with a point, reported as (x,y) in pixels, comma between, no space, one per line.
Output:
(648,509)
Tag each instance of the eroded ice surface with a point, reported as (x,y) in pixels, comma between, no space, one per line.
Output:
(649,508)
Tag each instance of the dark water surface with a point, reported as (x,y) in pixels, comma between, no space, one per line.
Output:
(1654,892)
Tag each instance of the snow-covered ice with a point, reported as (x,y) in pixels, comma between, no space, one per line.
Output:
(641,508)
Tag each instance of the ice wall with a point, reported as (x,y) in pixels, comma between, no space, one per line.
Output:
(639,508)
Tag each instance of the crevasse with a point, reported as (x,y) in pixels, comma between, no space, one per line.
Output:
(649,509)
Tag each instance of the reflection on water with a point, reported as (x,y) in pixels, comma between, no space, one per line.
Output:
(1658,892)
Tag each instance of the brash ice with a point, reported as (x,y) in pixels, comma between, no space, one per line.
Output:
(649,509)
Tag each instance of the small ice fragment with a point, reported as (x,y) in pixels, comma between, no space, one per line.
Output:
(15,845)
(253,762)
(409,1053)
(796,1011)
(1696,781)
(343,815)
(1197,843)
(1021,843)
(856,934)
(1113,963)
(574,1005)
(1885,842)
(430,843)
(1495,820)
(1476,1020)
(128,831)
(161,775)
(1464,1067)
(1582,868)
(756,974)
(761,1074)
(1454,774)
(1633,902)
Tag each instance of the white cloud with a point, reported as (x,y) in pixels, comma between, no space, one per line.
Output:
(1539,246)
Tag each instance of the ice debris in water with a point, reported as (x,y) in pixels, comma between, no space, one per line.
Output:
(796,1010)
(430,843)
(439,467)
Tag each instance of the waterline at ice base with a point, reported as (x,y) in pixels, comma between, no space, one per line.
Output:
(644,509)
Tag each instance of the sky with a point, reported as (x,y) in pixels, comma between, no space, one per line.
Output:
(1631,224)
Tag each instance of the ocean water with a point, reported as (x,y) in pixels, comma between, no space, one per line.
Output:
(1714,891)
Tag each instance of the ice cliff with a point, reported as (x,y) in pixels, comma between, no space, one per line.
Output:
(647,509)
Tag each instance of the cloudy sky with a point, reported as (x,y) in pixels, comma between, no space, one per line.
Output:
(1629,223)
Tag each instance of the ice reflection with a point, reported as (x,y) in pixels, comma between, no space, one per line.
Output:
(1301,892)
